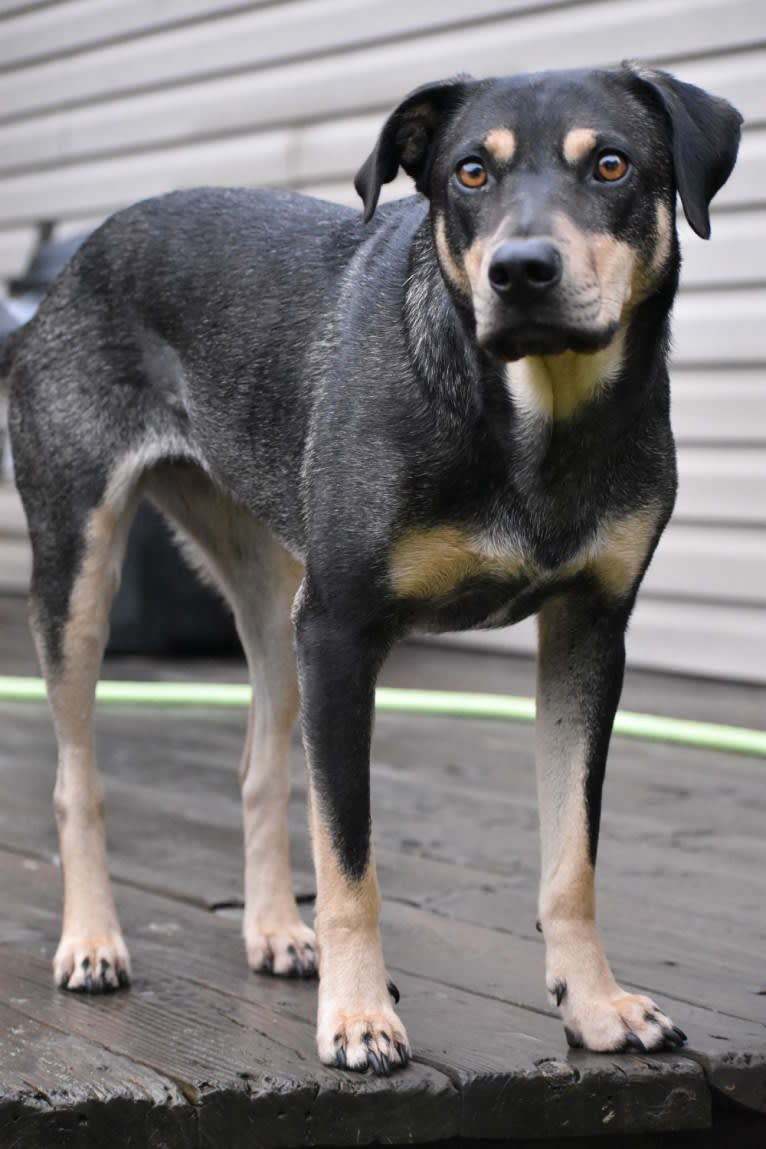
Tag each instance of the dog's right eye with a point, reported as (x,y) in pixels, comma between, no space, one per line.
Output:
(471,173)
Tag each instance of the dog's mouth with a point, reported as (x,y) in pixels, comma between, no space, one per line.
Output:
(512,341)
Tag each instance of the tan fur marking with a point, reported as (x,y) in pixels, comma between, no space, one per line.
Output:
(664,239)
(353,990)
(614,262)
(501,143)
(432,563)
(452,269)
(596,261)
(557,386)
(592,1003)
(578,144)
(474,259)
(624,549)
(646,273)
(90,927)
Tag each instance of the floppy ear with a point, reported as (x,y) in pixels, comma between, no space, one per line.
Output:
(705,132)
(407,139)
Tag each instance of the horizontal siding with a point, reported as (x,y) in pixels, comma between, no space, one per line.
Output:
(15,564)
(719,405)
(249,40)
(719,326)
(261,98)
(15,557)
(52,29)
(16,247)
(737,76)
(722,484)
(735,255)
(716,563)
(295,156)
(706,639)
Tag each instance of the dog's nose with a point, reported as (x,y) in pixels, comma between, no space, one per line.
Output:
(521,270)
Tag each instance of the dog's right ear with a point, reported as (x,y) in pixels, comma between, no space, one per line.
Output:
(408,137)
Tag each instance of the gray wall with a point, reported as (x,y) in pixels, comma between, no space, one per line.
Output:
(106,101)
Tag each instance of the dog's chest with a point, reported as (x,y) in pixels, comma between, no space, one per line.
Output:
(451,576)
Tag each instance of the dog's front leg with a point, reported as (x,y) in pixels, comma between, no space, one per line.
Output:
(581,659)
(338,664)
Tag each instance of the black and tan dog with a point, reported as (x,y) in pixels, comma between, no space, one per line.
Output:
(452,413)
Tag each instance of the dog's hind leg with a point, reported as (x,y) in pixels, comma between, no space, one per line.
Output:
(77,555)
(277,940)
(259,578)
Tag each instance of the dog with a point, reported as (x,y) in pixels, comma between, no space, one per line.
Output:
(449,412)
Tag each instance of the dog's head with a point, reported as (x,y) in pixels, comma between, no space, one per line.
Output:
(553,195)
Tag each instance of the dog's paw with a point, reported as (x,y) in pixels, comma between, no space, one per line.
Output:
(621,1022)
(95,964)
(376,1040)
(286,952)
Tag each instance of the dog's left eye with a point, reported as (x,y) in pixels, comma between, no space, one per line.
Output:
(471,173)
(610,167)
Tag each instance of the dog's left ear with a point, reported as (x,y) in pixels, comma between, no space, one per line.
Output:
(408,137)
(705,132)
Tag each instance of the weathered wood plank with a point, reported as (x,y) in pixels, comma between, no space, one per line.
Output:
(507,1061)
(245,1064)
(454,809)
(474,957)
(56,1089)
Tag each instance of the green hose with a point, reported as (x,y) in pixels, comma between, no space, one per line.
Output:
(707,735)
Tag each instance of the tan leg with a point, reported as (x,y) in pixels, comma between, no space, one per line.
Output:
(338,663)
(259,578)
(356,1023)
(579,680)
(91,954)
(277,940)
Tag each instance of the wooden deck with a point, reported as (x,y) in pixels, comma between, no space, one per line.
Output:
(202,1053)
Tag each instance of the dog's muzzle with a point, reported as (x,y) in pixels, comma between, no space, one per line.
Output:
(529,305)
(521,271)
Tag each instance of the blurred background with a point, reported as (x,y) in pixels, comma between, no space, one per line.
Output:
(103,102)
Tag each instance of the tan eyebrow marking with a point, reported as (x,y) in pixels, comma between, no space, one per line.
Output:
(501,142)
(578,144)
